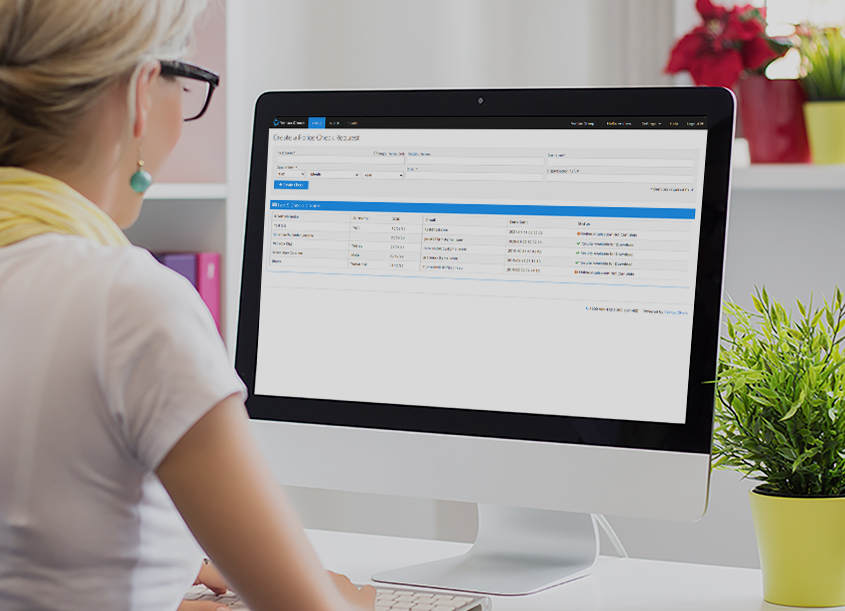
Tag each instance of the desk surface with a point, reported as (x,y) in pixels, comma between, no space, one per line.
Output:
(615,584)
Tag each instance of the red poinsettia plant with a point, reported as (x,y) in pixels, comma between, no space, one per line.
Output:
(729,43)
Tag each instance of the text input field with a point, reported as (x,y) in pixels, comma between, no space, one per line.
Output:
(619,162)
(646,178)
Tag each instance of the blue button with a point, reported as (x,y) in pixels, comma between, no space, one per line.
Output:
(290,184)
(316,123)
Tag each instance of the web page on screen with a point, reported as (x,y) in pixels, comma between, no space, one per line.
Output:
(542,269)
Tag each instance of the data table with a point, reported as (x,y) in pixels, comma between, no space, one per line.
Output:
(481,240)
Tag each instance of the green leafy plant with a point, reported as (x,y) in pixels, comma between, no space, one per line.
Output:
(780,415)
(823,59)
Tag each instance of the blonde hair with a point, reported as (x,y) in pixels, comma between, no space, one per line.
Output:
(58,56)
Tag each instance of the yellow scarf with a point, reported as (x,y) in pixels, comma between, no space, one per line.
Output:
(33,204)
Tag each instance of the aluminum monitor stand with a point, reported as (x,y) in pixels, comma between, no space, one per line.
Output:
(517,551)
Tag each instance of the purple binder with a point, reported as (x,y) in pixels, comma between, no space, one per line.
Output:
(184,263)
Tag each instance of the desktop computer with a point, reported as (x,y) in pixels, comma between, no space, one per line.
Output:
(506,297)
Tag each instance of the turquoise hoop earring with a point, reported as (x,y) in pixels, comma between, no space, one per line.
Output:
(141,180)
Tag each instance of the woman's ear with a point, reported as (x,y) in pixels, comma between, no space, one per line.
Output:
(144,79)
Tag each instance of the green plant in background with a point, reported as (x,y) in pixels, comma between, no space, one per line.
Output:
(823,59)
(780,417)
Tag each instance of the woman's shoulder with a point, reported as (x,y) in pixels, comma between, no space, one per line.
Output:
(113,273)
(64,251)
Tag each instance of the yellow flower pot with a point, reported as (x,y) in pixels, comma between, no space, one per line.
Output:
(801,541)
(826,130)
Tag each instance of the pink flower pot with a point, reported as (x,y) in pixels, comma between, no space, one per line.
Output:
(773,120)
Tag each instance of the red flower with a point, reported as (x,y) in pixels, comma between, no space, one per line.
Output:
(727,43)
(708,10)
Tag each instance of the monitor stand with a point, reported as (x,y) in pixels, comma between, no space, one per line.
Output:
(517,551)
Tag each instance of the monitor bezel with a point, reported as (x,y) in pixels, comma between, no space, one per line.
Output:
(693,436)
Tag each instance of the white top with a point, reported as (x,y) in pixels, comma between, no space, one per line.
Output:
(106,359)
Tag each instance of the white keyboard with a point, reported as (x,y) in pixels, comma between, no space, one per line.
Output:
(387,599)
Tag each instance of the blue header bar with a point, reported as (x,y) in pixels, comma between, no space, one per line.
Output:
(509,210)
(316,123)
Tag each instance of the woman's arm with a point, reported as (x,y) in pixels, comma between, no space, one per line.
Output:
(225,491)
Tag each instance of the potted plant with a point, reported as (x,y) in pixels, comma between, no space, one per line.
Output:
(823,58)
(780,419)
(730,48)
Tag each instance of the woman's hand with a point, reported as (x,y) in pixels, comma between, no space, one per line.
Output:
(211,578)
(202,605)
(364,598)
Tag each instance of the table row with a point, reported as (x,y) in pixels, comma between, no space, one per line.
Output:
(487,220)
(501,241)
(478,270)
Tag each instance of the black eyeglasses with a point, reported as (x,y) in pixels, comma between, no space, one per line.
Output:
(197,84)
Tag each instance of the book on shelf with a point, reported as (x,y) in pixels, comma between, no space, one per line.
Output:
(202,269)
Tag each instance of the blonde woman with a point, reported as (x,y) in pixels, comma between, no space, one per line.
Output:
(118,405)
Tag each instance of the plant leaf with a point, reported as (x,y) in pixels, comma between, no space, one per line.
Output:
(757,304)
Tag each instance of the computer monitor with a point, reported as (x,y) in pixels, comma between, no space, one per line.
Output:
(507,297)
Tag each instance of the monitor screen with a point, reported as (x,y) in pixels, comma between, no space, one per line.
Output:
(525,266)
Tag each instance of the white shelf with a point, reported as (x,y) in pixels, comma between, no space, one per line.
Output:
(785,176)
(187,191)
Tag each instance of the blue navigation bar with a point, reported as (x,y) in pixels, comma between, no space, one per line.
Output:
(316,123)
(290,184)
(509,210)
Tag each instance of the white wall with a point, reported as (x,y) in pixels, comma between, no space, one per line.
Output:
(303,44)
